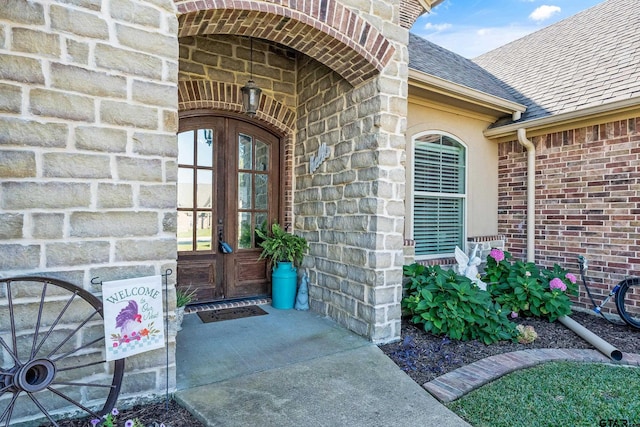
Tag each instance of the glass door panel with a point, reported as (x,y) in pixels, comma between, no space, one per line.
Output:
(195,190)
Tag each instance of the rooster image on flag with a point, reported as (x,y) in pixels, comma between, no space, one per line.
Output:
(129,320)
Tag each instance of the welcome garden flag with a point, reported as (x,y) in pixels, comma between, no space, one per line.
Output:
(132,316)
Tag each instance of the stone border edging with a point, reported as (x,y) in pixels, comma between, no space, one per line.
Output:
(453,385)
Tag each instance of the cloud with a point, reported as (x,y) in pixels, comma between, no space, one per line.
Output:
(472,41)
(544,12)
(436,27)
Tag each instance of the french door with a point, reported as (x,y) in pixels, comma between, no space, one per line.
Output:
(228,185)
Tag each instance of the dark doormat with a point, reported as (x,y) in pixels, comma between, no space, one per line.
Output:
(230,313)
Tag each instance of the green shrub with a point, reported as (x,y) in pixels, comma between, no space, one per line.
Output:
(447,303)
(527,290)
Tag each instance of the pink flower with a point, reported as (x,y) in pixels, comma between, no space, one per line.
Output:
(514,314)
(570,277)
(496,254)
(115,344)
(557,284)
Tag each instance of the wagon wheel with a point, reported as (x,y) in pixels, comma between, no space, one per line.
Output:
(52,357)
(628,301)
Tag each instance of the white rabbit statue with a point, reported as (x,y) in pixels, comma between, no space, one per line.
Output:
(468,266)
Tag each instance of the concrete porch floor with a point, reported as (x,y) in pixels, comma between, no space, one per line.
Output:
(295,368)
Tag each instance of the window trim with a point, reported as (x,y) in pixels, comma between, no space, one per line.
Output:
(411,190)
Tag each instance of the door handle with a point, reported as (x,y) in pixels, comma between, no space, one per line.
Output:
(225,248)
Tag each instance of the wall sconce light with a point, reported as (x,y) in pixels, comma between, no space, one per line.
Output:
(251,92)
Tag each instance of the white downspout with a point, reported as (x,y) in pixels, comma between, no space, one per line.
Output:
(531,193)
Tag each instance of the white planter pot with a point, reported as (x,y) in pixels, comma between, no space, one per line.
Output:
(179,318)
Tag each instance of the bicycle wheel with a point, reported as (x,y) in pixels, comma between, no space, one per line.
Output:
(52,357)
(628,301)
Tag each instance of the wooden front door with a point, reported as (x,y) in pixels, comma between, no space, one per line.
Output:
(228,184)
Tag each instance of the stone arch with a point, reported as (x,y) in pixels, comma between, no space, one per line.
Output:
(324,30)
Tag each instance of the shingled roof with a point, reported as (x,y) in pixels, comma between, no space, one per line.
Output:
(437,61)
(589,59)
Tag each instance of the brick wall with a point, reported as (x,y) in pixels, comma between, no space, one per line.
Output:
(587,194)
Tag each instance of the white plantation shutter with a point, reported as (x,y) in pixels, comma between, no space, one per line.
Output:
(438,195)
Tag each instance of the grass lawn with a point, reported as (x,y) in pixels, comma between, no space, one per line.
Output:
(557,394)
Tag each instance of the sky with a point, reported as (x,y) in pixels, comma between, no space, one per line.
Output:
(473,27)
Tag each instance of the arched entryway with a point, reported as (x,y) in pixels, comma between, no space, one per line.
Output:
(228,185)
(332,81)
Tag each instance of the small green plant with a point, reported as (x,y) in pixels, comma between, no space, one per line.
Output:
(447,303)
(110,420)
(185,296)
(527,290)
(280,246)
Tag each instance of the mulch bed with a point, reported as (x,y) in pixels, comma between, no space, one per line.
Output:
(172,416)
(424,356)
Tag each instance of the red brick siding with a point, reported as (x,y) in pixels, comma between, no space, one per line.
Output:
(587,194)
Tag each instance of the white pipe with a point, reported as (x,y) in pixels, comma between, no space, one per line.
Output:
(531,193)
(602,346)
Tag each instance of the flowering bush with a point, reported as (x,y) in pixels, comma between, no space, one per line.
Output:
(528,290)
(447,303)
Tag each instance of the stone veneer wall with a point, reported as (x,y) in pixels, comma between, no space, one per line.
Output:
(587,195)
(226,59)
(352,207)
(88,115)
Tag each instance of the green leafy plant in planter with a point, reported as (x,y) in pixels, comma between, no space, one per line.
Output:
(183,297)
(284,251)
(280,246)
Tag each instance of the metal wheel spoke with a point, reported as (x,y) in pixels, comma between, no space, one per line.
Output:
(12,321)
(42,409)
(11,352)
(37,331)
(77,384)
(69,353)
(64,341)
(6,415)
(70,400)
(55,322)
(86,365)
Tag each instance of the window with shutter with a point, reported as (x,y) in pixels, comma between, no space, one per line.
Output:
(439,194)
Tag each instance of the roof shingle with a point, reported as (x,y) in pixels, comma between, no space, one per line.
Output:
(591,58)
(437,61)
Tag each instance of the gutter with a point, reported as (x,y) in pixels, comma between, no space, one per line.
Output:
(457,91)
(565,118)
(531,192)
